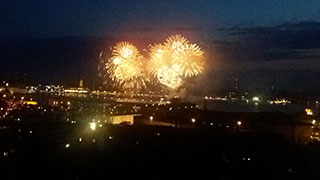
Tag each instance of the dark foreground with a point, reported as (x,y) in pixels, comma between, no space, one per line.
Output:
(149,152)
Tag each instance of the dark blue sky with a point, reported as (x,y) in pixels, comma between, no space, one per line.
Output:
(263,43)
(101,17)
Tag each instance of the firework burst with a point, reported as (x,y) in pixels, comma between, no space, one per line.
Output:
(190,60)
(169,76)
(169,63)
(125,66)
(176,42)
(159,57)
(174,60)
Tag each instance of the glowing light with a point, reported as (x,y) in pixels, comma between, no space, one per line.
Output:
(67,145)
(174,60)
(76,90)
(5,154)
(309,112)
(126,52)
(125,66)
(80,139)
(169,76)
(117,61)
(281,101)
(170,63)
(239,123)
(190,60)
(151,118)
(93,126)
(176,42)
(30,102)
(255,98)
(193,120)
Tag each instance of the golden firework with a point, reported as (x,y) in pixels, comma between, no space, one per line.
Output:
(169,76)
(126,66)
(160,56)
(175,59)
(169,63)
(190,60)
(176,42)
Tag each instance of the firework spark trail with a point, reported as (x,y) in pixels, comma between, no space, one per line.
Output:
(174,60)
(176,42)
(170,76)
(190,60)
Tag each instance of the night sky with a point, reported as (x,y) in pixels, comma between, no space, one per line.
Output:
(98,17)
(263,43)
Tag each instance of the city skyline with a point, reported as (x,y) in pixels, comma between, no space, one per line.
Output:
(160,89)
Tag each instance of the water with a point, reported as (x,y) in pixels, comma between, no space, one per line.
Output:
(240,106)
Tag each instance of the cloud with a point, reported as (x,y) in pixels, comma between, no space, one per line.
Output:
(294,41)
(302,35)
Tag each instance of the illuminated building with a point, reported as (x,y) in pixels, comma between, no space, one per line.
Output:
(54,89)
(280,101)
(123,119)
(76,90)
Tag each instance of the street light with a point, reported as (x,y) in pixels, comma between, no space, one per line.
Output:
(255,98)
(93,126)
(193,120)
